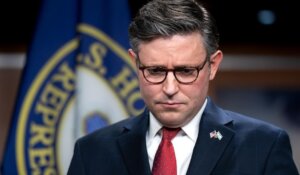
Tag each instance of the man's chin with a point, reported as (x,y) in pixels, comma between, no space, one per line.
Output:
(171,119)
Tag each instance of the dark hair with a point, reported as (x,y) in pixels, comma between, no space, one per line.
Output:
(165,18)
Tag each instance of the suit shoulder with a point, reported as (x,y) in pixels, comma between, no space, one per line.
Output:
(111,131)
(240,122)
(251,124)
(251,130)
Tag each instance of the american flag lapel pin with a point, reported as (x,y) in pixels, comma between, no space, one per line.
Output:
(216,135)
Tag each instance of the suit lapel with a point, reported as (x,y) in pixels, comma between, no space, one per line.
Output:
(133,147)
(208,150)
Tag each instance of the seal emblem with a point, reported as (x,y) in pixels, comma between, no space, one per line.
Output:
(77,91)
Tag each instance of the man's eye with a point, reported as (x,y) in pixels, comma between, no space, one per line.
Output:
(186,71)
(156,70)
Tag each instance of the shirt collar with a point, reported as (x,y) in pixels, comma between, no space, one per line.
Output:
(154,126)
(191,129)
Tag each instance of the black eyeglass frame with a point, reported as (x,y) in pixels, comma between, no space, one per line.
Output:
(198,68)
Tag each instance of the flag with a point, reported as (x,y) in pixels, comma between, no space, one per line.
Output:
(215,135)
(77,78)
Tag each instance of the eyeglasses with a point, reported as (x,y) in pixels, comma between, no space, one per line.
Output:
(158,74)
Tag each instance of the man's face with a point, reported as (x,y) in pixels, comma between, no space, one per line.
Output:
(172,103)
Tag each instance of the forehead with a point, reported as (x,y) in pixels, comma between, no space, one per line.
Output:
(177,48)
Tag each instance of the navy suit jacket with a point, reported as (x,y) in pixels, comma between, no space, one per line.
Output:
(248,147)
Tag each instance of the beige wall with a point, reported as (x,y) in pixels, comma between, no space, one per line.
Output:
(9,79)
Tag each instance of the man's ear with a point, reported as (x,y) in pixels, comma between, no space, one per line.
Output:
(132,56)
(215,61)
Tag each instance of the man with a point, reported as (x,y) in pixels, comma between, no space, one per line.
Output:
(175,49)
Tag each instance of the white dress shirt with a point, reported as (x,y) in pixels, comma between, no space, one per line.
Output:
(183,143)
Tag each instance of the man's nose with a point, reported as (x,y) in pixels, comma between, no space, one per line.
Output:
(170,85)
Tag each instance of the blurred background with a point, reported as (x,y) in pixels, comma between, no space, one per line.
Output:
(258,77)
